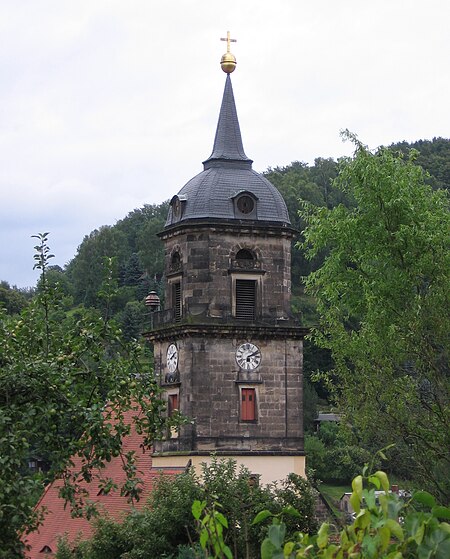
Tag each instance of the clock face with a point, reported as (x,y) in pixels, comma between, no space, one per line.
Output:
(172,358)
(248,356)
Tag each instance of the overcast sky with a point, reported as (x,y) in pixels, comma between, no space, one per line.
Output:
(108,105)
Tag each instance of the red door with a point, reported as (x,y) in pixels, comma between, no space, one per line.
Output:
(248,405)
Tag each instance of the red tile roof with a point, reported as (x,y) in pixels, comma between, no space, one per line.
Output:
(58,520)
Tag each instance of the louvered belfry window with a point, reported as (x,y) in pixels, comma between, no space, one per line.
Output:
(245,299)
(176,301)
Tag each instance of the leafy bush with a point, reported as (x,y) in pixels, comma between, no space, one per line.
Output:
(167,528)
(157,531)
(329,434)
(240,497)
(339,462)
(315,455)
(385,527)
(297,492)
(345,462)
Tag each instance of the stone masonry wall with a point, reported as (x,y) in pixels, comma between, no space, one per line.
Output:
(207,268)
(210,379)
(209,394)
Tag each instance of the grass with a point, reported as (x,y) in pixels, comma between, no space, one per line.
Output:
(332,495)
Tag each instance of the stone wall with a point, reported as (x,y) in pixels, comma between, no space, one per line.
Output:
(204,260)
(208,267)
(209,391)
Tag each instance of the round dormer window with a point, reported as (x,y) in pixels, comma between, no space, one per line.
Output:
(245,204)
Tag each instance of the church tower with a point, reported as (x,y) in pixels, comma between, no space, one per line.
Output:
(227,351)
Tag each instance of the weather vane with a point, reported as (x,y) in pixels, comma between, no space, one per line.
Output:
(228,61)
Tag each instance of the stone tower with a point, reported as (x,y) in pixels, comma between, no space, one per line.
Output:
(227,351)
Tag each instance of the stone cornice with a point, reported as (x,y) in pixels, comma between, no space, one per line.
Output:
(242,227)
(227,331)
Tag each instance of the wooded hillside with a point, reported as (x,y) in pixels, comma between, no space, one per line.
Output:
(138,253)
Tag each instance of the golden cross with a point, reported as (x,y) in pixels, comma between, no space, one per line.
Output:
(228,40)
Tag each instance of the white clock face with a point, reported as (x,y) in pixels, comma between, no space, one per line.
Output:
(172,358)
(248,356)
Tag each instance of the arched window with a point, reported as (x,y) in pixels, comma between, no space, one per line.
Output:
(175,262)
(246,281)
(245,254)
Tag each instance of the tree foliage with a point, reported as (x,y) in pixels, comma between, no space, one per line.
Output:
(67,383)
(433,156)
(12,300)
(299,181)
(330,455)
(85,272)
(405,316)
(139,255)
(383,300)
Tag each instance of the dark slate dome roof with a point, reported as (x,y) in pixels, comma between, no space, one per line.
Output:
(228,175)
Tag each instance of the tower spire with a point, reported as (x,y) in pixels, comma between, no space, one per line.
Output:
(228,141)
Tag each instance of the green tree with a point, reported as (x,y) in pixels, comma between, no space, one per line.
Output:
(138,254)
(299,182)
(151,252)
(66,384)
(331,456)
(85,271)
(132,320)
(383,300)
(11,298)
(57,278)
(135,222)
(309,406)
(132,270)
(433,156)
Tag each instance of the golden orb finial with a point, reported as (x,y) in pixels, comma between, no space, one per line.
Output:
(228,60)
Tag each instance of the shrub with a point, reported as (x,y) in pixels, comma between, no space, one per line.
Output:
(344,463)
(315,455)
(385,527)
(166,526)
(297,492)
(240,497)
